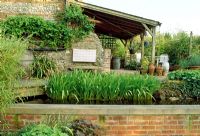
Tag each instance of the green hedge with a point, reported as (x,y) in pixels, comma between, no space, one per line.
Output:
(191,81)
(88,86)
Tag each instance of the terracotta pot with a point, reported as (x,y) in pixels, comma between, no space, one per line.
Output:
(151,69)
(159,70)
(164,73)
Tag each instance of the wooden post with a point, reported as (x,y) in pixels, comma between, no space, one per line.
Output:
(131,46)
(142,45)
(125,43)
(153,45)
(190,46)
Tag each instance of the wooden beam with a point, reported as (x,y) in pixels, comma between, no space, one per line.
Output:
(123,28)
(109,22)
(95,21)
(147,28)
(117,35)
(119,14)
(153,45)
(122,21)
(110,29)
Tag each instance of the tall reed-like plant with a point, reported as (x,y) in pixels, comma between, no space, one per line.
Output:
(42,67)
(11,51)
(88,86)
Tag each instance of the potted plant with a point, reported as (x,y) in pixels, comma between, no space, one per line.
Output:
(118,53)
(144,65)
(116,64)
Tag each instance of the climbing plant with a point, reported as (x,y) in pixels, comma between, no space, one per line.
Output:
(70,25)
(74,18)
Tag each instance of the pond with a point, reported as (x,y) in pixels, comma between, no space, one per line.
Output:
(43,99)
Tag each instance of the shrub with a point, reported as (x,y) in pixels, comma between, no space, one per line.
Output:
(85,128)
(75,128)
(193,60)
(132,65)
(42,67)
(11,51)
(87,86)
(40,130)
(191,81)
(175,46)
(39,31)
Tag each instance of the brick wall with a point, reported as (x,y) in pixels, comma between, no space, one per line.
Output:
(170,125)
(114,123)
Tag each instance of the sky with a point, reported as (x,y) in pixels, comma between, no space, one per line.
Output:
(175,15)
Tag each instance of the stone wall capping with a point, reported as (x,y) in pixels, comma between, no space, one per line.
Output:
(71,109)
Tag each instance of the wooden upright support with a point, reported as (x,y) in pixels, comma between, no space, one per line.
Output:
(153,45)
(142,45)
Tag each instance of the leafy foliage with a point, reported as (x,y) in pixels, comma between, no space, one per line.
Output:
(145,63)
(41,130)
(191,81)
(87,86)
(178,48)
(42,67)
(119,50)
(39,31)
(132,65)
(11,51)
(74,18)
(184,75)
(45,33)
(77,127)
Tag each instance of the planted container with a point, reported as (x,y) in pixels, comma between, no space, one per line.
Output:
(159,70)
(116,63)
(151,69)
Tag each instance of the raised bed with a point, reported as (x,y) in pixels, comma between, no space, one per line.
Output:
(118,120)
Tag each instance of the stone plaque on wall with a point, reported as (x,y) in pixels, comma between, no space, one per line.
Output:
(84,55)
